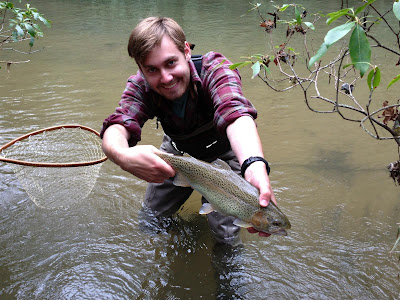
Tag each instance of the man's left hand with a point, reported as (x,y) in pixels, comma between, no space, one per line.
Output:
(257,175)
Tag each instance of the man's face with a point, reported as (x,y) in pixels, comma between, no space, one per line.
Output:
(166,69)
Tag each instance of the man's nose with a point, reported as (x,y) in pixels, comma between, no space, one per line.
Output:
(165,76)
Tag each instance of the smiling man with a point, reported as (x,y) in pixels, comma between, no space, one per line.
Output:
(204,115)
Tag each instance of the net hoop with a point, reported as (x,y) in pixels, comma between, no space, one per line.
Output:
(50,165)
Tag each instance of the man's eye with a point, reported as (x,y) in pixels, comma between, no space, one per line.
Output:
(151,70)
(171,63)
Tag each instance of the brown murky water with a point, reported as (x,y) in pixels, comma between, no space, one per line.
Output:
(330,178)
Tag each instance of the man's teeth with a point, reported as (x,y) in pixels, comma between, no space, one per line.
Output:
(170,86)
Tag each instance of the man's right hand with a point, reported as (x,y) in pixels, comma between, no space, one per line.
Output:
(143,162)
(140,161)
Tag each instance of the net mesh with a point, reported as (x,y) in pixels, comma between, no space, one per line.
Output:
(55,187)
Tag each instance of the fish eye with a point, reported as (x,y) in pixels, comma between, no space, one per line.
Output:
(277,223)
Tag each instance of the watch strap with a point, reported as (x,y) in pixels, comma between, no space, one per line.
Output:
(251,160)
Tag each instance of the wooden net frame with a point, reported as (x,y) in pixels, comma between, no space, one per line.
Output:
(57,166)
(47,164)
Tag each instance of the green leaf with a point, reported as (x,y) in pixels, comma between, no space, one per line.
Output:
(37,28)
(397,78)
(376,74)
(256,69)
(45,21)
(360,50)
(298,16)
(361,8)
(257,56)
(396,10)
(15,36)
(310,25)
(348,65)
(19,30)
(239,65)
(321,52)
(337,33)
(32,41)
(284,7)
(266,69)
(336,15)
(30,29)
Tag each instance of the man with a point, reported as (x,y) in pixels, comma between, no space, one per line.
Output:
(204,115)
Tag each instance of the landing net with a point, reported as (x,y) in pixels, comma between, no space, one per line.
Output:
(57,166)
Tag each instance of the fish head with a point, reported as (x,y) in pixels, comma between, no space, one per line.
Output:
(271,220)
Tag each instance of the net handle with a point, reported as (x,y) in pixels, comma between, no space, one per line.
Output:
(51,165)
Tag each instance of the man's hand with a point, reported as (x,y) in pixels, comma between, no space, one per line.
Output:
(140,161)
(257,175)
(143,162)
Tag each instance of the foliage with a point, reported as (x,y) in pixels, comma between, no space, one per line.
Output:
(19,25)
(346,66)
(352,42)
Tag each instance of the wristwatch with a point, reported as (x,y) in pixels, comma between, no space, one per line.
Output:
(252,159)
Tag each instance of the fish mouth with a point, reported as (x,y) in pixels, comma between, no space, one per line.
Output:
(278,231)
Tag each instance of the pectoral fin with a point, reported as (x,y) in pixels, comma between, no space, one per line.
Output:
(181,180)
(241,223)
(206,208)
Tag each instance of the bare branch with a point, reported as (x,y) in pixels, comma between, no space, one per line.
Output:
(23,52)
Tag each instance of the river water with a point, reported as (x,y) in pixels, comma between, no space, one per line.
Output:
(329,177)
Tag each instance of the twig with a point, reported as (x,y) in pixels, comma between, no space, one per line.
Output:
(14,62)
(9,63)
(23,52)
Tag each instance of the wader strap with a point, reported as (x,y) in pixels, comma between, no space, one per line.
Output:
(197,60)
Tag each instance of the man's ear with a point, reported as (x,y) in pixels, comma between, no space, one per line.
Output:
(188,52)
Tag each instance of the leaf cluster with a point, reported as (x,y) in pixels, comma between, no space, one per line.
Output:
(352,61)
(261,62)
(359,47)
(349,65)
(20,24)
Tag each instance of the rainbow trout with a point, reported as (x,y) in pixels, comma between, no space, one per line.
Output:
(227,193)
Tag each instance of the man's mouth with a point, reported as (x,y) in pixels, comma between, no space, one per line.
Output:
(170,86)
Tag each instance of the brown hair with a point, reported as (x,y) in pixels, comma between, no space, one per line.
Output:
(149,33)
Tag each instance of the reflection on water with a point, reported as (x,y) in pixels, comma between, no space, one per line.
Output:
(328,177)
